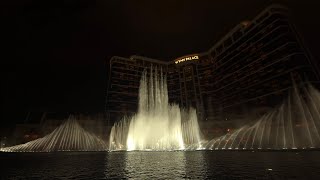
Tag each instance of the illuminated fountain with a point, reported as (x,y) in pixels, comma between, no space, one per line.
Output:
(69,136)
(295,124)
(157,125)
(160,126)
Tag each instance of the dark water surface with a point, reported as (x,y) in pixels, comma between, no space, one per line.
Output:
(161,165)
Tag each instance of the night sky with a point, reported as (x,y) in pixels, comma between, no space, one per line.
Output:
(55,52)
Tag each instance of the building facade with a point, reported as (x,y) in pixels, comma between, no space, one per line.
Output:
(254,65)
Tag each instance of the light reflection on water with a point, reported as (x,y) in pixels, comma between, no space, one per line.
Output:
(164,165)
(161,165)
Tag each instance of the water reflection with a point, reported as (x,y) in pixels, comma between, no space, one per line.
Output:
(212,165)
(195,165)
(156,165)
(161,165)
(115,165)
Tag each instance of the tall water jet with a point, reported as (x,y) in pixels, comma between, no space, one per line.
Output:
(157,125)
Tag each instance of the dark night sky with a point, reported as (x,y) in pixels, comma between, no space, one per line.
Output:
(55,51)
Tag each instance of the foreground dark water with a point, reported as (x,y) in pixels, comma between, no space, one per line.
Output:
(161,165)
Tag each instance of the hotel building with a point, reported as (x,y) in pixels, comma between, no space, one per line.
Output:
(252,66)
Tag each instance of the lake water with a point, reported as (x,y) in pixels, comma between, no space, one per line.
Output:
(161,165)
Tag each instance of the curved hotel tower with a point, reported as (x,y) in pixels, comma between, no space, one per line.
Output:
(252,67)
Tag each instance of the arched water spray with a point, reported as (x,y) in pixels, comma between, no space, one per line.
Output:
(293,124)
(69,136)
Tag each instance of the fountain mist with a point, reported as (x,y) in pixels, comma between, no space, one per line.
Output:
(157,125)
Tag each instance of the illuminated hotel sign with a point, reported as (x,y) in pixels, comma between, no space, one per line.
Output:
(188,58)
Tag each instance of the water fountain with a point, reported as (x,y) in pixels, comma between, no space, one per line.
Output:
(69,136)
(157,125)
(295,124)
(161,126)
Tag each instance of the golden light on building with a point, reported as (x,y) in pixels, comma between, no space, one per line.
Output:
(246,23)
(186,58)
